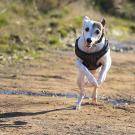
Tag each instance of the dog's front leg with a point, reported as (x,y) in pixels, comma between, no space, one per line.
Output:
(102,75)
(106,64)
(80,83)
(87,73)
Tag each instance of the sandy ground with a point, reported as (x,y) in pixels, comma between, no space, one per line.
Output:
(56,72)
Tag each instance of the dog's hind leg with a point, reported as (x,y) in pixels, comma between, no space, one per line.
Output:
(94,95)
(80,83)
(95,91)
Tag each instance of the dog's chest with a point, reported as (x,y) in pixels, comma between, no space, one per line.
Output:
(95,48)
(88,50)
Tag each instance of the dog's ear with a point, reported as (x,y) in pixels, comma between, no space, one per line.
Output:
(103,22)
(86,18)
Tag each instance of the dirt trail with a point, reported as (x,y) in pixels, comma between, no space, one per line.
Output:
(56,72)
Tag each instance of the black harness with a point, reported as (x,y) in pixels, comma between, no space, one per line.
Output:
(90,59)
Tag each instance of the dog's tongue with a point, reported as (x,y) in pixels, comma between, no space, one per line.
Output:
(89,45)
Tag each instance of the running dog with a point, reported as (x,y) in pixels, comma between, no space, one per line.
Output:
(93,56)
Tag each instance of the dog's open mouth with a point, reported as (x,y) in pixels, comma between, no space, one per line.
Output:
(89,45)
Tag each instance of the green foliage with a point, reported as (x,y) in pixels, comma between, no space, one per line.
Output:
(41,24)
(56,14)
(66,10)
(46,5)
(28,1)
(128,10)
(3,39)
(4,48)
(120,29)
(119,8)
(77,20)
(53,23)
(132,28)
(34,54)
(53,40)
(104,5)
(63,32)
(3,20)
(17,9)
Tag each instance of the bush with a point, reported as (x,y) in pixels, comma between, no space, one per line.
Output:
(63,32)
(104,5)
(120,8)
(53,23)
(78,20)
(53,40)
(56,14)
(3,21)
(46,5)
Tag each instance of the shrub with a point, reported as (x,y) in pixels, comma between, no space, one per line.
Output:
(78,20)
(3,21)
(46,5)
(53,40)
(53,23)
(63,32)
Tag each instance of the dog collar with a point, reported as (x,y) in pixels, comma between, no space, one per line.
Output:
(100,39)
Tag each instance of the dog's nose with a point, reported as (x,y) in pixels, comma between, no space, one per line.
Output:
(89,40)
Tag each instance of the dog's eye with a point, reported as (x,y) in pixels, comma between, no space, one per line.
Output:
(87,29)
(97,32)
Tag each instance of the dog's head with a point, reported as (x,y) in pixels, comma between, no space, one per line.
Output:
(92,31)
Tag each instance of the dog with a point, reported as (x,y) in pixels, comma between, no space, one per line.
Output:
(93,56)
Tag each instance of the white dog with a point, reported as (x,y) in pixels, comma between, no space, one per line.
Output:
(93,55)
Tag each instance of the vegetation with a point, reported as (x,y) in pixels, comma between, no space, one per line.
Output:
(119,8)
(28,27)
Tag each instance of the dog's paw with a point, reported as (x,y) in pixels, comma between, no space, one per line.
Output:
(76,107)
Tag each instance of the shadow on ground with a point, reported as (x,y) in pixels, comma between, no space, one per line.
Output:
(19,114)
(16,124)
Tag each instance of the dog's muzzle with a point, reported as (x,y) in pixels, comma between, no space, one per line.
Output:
(89,40)
(88,43)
